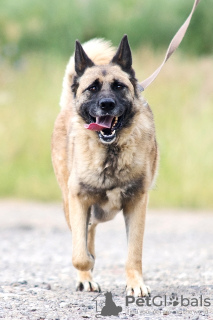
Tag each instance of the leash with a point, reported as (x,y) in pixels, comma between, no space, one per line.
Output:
(172,47)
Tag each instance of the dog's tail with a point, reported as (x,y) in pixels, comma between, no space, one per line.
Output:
(99,51)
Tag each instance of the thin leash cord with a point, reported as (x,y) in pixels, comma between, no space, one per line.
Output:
(178,37)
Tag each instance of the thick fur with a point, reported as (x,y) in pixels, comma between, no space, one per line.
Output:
(98,180)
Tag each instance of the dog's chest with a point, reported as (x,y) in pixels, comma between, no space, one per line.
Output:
(113,178)
(118,165)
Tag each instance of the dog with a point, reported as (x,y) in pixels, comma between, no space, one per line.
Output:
(104,154)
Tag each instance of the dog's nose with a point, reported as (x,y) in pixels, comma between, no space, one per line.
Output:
(107,103)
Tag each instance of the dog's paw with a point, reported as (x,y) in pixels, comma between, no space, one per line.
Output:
(89,286)
(138,291)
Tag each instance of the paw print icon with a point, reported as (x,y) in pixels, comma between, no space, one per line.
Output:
(173,301)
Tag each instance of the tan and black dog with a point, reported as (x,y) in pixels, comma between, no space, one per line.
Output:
(104,154)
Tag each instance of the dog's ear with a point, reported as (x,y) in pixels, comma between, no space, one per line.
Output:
(123,56)
(82,61)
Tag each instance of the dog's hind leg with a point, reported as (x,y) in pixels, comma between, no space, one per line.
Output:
(134,214)
(66,210)
(85,281)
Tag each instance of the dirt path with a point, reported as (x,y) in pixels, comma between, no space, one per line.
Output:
(38,282)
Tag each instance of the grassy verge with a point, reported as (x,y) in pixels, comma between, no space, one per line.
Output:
(182,102)
(29,104)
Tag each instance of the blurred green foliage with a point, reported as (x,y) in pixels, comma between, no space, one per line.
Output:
(52,25)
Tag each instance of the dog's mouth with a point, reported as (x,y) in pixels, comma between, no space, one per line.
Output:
(106,126)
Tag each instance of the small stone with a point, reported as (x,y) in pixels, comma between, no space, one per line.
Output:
(23,282)
(43,285)
(47,286)
(90,307)
(15,284)
(165,312)
(174,294)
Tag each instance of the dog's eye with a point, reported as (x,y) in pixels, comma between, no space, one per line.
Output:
(118,86)
(93,89)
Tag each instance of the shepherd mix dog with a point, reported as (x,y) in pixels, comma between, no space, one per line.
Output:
(104,154)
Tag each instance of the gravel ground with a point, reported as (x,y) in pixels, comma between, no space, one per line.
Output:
(38,281)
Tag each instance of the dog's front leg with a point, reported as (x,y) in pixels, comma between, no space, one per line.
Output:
(85,281)
(134,214)
(79,216)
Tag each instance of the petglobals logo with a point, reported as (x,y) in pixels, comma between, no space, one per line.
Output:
(106,307)
(173,300)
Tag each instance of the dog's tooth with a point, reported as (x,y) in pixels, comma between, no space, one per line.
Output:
(116,118)
(112,132)
(115,122)
(102,133)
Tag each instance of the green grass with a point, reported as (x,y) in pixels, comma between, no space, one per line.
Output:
(29,105)
(181,99)
(182,102)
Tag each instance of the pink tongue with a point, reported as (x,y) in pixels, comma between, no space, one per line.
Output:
(101,123)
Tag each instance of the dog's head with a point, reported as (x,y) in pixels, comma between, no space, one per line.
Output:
(105,94)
